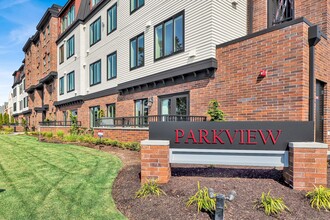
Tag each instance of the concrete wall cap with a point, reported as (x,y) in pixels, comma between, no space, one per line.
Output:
(308,145)
(155,143)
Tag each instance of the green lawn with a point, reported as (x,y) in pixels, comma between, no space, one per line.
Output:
(52,181)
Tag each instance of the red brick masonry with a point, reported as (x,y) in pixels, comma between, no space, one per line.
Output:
(307,165)
(155,161)
(124,134)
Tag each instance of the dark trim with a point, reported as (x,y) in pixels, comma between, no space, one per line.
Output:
(111,54)
(30,89)
(211,63)
(53,11)
(68,30)
(27,112)
(68,56)
(90,78)
(137,8)
(39,86)
(41,109)
(137,51)
(108,18)
(100,94)
(250,16)
(92,44)
(268,30)
(172,96)
(163,35)
(49,78)
(67,82)
(70,101)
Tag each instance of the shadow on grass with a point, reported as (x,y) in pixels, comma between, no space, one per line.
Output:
(273,174)
(2,190)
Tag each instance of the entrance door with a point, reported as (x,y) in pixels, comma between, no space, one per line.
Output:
(141,112)
(174,108)
(94,114)
(319,123)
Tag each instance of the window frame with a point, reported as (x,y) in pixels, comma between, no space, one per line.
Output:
(61,91)
(68,84)
(111,54)
(61,53)
(68,55)
(92,64)
(132,39)
(270,10)
(163,35)
(114,5)
(90,28)
(113,105)
(137,7)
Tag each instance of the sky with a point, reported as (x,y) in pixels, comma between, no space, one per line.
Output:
(18,21)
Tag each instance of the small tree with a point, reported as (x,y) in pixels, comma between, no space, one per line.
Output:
(214,111)
(74,130)
(12,120)
(6,119)
(1,119)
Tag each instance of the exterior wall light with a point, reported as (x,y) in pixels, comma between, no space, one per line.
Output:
(263,73)
(150,101)
(234,4)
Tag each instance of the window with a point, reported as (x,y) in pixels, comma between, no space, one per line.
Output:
(112,65)
(137,52)
(65,116)
(26,102)
(111,110)
(21,105)
(136,4)
(112,19)
(94,2)
(14,92)
(74,112)
(141,111)
(280,11)
(68,19)
(61,85)
(15,107)
(61,55)
(94,115)
(24,84)
(95,32)
(70,82)
(21,89)
(70,47)
(177,105)
(95,73)
(169,37)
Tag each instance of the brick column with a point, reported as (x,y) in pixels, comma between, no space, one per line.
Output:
(155,163)
(307,165)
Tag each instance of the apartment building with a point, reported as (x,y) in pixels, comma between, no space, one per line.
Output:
(20,108)
(41,68)
(3,108)
(140,57)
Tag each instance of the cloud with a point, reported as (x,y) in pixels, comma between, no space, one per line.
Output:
(4,4)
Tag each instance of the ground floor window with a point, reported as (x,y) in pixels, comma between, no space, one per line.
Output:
(141,112)
(94,115)
(65,117)
(111,111)
(174,107)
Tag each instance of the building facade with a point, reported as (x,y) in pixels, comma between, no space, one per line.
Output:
(41,68)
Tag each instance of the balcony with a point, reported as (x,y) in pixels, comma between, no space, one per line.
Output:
(143,121)
(58,123)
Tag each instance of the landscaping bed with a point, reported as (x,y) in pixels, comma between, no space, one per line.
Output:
(248,183)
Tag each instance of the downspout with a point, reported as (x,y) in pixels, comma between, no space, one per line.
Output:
(314,36)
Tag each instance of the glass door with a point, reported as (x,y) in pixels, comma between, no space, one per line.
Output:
(94,113)
(174,108)
(141,112)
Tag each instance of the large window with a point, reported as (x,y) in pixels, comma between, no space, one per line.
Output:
(95,32)
(174,107)
(61,55)
(137,51)
(95,73)
(61,85)
(111,110)
(141,112)
(136,4)
(112,19)
(169,36)
(112,66)
(15,107)
(280,11)
(94,2)
(70,47)
(70,82)
(68,19)
(26,102)
(94,113)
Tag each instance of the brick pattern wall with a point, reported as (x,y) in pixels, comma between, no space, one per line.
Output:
(123,135)
(155,163)
(259,20)
(307,167)
(55,129)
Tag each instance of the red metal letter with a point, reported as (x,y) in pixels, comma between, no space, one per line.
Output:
(249,136)
(270,134)
(177,135)
(230,138)
(191,136)
(216,136)
(201,136)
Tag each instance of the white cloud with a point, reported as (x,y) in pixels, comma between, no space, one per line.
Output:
(8,4)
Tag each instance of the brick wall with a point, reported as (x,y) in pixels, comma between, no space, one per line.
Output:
(54,130)
(123,135)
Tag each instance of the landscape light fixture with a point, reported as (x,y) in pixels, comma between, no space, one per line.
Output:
(220,202)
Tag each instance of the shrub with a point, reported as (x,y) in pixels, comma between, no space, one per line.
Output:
(71,138)
(149,188)
(202,199)
(60,134)
(8,130)
(270,205)
(215,113)
(319,198)
(48,134)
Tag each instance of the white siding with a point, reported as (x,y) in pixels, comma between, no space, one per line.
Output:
(207,23)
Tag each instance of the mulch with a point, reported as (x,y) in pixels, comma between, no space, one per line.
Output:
(248,184)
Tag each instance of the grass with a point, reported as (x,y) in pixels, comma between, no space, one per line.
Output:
(51,181)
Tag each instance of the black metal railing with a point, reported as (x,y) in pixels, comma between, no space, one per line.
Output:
(58,123)
(143,121)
